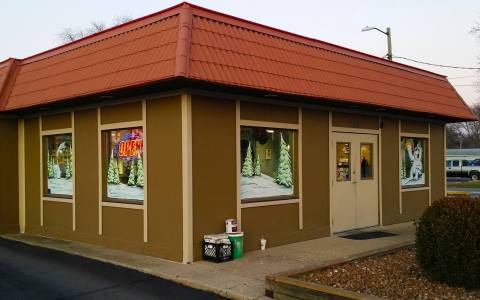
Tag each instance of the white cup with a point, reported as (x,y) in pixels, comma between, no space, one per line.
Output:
(263,244)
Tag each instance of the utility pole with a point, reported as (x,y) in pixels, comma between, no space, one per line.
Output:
(388,33)
(389,43)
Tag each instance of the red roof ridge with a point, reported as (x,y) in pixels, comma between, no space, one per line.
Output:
(7,80)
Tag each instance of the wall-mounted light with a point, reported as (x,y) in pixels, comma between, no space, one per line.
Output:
(270,130)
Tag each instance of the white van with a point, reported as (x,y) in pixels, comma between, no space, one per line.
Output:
(463,166)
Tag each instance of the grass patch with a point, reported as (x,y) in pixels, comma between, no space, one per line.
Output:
(465,184)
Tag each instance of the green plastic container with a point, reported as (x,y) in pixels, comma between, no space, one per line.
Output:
(237,244)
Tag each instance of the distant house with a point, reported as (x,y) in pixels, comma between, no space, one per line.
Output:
(148,135)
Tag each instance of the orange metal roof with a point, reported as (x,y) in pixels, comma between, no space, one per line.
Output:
(193,42)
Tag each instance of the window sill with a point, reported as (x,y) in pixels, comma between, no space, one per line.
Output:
(413,189)
(118,204)
(268,203)
(57,199)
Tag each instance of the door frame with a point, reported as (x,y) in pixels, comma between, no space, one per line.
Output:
(377,132)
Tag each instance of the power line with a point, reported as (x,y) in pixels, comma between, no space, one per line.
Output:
(437,65)
(467,85)
(460,77)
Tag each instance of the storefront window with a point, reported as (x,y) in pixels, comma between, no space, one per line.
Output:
(343,161)
(124,164)
(267,164)
(366,161)
(412,171)
(58,165)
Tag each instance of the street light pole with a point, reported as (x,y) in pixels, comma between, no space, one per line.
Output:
(388,33)
(389,43)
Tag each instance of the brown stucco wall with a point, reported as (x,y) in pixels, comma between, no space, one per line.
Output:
(57,216)
(316,187)
(268,112)
(121,113)
(57,121)
(437,159)
(277,223)
(164,131)
(213,167)
(32,175)
(390,171)
(414,203)
(86,171)
(341,119)
(122,227)
(9,177)
(414,126)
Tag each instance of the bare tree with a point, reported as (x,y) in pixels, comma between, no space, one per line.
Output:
(465,134)
(68,34)
(121,19)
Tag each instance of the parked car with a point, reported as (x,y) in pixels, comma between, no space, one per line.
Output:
(463,166)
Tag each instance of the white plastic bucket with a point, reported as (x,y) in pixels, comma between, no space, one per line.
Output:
(231,226)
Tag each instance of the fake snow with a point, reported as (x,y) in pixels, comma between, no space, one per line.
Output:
(125,191)
(261,187)
(412,181)
(60,186)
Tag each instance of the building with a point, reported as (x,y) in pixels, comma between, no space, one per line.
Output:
(148,135)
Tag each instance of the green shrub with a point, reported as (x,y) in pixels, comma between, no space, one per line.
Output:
(448,242)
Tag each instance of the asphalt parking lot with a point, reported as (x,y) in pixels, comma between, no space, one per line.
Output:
(29,272)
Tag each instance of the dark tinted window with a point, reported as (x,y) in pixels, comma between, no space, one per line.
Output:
(449,163)
(455,163)
(471,163)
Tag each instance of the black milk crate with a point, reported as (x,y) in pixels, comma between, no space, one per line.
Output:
(217,252)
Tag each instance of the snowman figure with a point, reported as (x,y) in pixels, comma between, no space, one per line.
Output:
(416,170)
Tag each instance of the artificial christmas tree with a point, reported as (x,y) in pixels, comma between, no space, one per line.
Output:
(113,177)
(50,166)
(284,171)
(247,169)
(68,168)
(131,176)
(257,171)
(140,172)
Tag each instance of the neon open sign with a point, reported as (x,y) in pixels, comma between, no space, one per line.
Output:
(129,147)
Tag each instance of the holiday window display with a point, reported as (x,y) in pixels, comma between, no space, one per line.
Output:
(343,162)
(412,168)
(59,167)
(267,169)
(125,178)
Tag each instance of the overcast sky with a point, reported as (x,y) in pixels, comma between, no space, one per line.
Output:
(428,30)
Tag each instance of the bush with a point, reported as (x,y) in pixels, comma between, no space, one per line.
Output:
(448,242)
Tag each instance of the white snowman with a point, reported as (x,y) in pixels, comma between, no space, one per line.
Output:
(415,156)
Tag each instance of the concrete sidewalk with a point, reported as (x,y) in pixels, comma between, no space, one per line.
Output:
(239,279)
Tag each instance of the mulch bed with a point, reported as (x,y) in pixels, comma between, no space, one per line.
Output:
(394,275)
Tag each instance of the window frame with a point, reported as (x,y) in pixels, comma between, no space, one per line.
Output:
(45,134)
(104,132)
(296,161)
(349,161)
(372,166)
(426,161)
